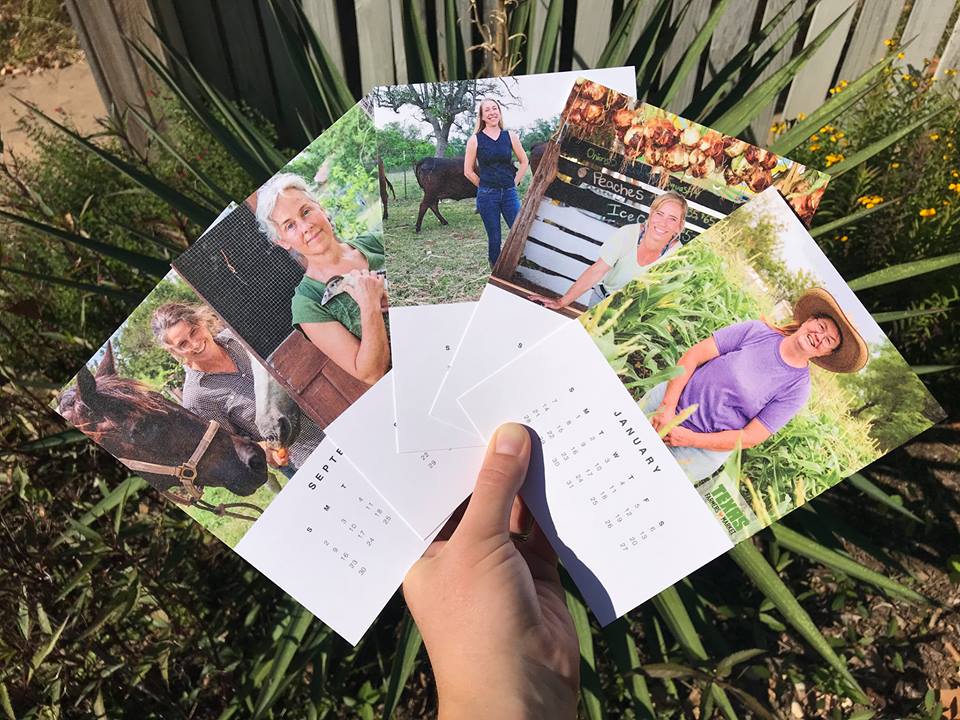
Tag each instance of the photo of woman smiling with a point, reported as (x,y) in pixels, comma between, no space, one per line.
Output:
(347,325)
(747,380)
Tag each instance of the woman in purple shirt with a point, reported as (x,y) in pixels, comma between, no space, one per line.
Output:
(749,379)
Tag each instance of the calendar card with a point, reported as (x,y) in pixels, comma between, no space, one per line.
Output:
(439,250)
(622,185)
(743,363)
(421,487)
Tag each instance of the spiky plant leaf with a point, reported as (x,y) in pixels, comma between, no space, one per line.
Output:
(104,290)
(691,58)
(895,273)
(548,40)
(404,660)
(850,219)
(294,627)
(872,491)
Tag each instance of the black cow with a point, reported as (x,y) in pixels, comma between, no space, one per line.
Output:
(443,178)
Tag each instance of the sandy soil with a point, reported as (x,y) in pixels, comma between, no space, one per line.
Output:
(67,93)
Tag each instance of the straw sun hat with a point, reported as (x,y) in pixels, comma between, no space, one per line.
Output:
(852,353)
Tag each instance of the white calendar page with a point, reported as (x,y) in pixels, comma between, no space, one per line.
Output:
(332,542)
(424,339)
(422,487)
(621,514)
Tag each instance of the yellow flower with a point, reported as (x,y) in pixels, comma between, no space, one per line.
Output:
(905,76)
(826,129)
(833,158)
(955,173)
(814,138)
(894,165)
(814,148)
(900,56)
(801,116)
(843,238)
(915,84)
(889,42)
(946,202)
(950,72)
(934,136)
(928,212)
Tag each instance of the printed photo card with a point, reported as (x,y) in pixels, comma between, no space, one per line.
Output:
(709,396)
(447,207)
(620,186)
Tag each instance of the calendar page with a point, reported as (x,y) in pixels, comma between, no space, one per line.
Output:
(622,516)
(766,379)
(439,250)
(581,233)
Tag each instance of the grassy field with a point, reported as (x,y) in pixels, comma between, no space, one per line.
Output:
(441,264)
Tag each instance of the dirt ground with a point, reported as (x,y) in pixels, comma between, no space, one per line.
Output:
(67,93)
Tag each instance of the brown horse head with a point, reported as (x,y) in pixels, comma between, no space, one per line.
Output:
(131,421)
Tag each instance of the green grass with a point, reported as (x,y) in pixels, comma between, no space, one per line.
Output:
(442,263)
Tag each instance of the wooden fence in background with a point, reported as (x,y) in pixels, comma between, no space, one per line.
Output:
(236,44)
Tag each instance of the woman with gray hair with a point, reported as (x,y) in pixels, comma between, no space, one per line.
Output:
(347,326)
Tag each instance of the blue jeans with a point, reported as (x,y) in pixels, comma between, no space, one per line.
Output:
(491,203)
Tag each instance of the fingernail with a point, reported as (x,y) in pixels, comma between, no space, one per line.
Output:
(510,439)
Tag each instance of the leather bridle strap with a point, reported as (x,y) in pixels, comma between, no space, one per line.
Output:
(185,472)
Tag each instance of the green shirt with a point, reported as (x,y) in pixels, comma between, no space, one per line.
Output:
(619,251)
(342,308)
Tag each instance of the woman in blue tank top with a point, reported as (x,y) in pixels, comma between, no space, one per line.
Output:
(488,164)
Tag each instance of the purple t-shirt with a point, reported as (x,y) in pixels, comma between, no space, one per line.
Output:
(748,380)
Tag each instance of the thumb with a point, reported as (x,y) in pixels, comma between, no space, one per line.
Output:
(503,472)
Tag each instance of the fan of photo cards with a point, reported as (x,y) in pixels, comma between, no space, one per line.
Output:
(647,298)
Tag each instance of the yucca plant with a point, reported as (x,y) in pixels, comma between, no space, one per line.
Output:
(278,655)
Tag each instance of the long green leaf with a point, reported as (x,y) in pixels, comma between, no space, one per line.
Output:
(404,660)
(829,110)
(130,487)
(623,650)
(617,49)
(591,691)
(222,197)
(417,28)
(67,437)
(293,627)
(654,41)
(895,273)
(331,79)
(548,40)
(894,315)
(931,369)
(872,491)
(44,650)
(752,562)
(147,264)
(747,108)
(691,58)
(104,290)
(880,145)
(724,79)
(174,198)
(803,545)
(850,219)
(453,42)
(5,703)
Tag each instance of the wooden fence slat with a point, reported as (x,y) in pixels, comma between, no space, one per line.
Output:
(732,33)
(695,19)
(572,219)
(561,240)
(928,20)
(547,258)
(591,32)
(809,88)
(375,44)
(323,18)
(761,125)
(876,23)
(555,284)
(951,53)
(399,51)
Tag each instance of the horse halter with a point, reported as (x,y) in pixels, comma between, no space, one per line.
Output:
(185,472)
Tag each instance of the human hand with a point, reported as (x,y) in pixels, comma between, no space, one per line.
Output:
(662,417)
(681,437)
(491,610)
(549,303)
(365,287)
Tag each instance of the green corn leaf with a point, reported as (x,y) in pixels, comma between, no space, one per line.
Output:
(671,608)
(172,197)
(292,629)
(617,49)
(831,109)
(105,290)
(740,115)
(418,48)
(249,161)
(803,545)
(548,40)
(147,264)
(850,219)
(44,650)
(404,660)
(222,197)
(931,369)
(623,650)
(691,58)
(880,145)
(872,491)
(454,41)
(752,562)
(724,79)
(591,690)
(67,437)
(894,315)
(895,273)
